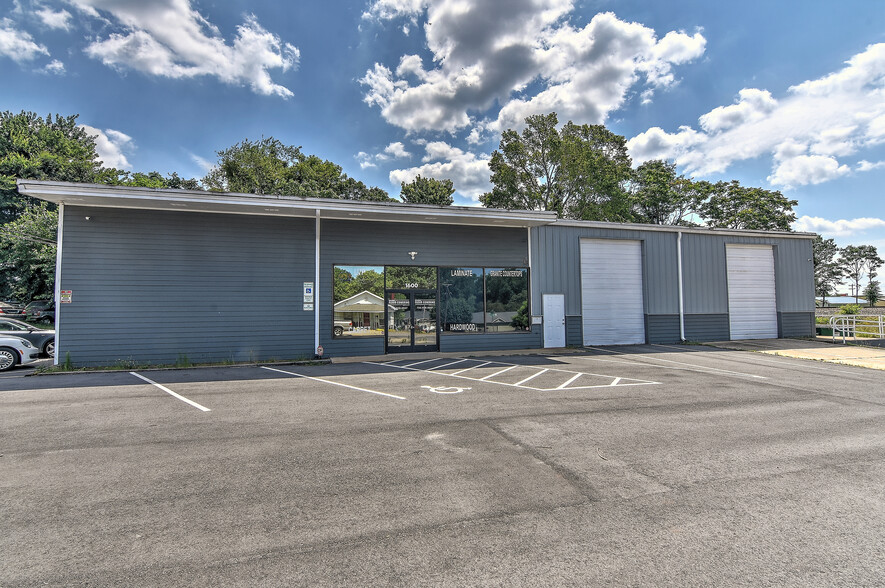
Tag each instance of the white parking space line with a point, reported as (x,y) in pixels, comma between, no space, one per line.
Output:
(168,391)
(507,369)
(470,368)
(569,381)
(571,376)
(521,382)
(420,362)
(688,366)
(333,383)
(445,365)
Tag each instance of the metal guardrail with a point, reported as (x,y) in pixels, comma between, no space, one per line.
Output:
(849,325)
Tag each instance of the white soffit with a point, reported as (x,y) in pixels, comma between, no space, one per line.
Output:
(270,205)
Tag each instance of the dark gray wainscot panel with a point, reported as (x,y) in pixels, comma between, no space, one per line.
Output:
(159,287)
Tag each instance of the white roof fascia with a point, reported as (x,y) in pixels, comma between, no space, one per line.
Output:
(681,229)
(97,195)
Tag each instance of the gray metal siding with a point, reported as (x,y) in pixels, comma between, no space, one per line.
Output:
(706,327)
(362,243)
(705,272)
(662,328)
(574,330)
(556,263)
(152,287)
(796,324)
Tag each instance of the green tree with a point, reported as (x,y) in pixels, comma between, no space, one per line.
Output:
(268,166)
(428,191)
(580,172)
(872,293)
(733,206)
(27,248)
(36,148)
(856,262)
(661,197)
(827,271)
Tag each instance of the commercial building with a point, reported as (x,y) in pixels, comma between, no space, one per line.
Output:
(156,276)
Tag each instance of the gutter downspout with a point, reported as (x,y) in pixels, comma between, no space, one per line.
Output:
(681,297)
(61,224)
(316,289)
(531,277)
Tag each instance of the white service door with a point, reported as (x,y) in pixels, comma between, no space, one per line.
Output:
(611,290)
(752,304)
(554,320)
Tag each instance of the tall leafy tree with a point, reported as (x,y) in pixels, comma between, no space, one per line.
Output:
(733,206)
(579,172)
(268,166)
(36,148)
(854,260)
(428,191)
(827,270)
(661,197)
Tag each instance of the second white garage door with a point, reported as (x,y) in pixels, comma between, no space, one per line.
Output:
(752,304)
(611,292)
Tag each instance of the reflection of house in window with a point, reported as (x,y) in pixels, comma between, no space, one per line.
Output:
(496,321)
(365,310)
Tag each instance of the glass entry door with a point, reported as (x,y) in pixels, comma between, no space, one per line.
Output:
(411,320)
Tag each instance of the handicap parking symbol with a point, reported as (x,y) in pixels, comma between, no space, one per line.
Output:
(445,389)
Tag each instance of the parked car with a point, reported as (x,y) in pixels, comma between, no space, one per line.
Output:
(40,311)
(42,339)
(11,310)
(15,351)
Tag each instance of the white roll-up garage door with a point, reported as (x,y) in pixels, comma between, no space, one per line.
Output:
(752,304)
(611,292)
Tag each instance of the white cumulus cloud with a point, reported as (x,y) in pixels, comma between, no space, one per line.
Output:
(18,45)
(55,20)
(488,52)
(54,67)
(469,172)
(837,228)
(864,165)
(804,132)
(169,38)
(110,145)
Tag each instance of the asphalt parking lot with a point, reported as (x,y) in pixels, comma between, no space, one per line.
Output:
(640,466)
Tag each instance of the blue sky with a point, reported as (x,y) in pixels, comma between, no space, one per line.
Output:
(784,95)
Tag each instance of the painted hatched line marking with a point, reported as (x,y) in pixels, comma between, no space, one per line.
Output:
(569,381)
(439,367)
(616,381)
(498,373)
(422,361)
(519,383)
(170,392)
(470,368)
(334,383)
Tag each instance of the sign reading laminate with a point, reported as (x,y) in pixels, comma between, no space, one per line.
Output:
(66,296)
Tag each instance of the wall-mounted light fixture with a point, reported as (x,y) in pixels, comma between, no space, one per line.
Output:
(88,218)
(412,254)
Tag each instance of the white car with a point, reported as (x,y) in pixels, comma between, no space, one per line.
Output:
(15,351)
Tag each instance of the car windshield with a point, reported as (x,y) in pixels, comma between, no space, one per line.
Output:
(9,325)
(37,304)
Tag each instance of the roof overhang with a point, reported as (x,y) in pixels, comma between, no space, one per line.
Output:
(681,229)
(96,195)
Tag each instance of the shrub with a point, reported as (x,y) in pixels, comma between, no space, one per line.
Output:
(850,309)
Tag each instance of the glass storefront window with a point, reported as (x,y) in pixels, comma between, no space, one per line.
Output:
(461,300)
(358,300)
(507,300)
(406,277)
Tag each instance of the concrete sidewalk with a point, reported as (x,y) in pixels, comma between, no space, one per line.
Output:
(821,349)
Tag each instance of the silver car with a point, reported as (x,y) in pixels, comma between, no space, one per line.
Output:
(16,351)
